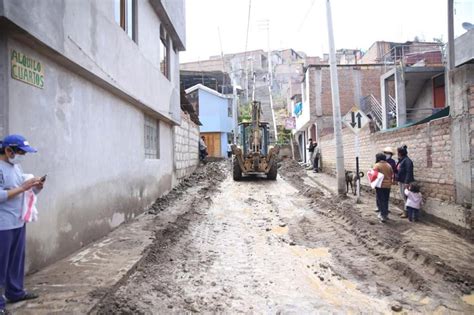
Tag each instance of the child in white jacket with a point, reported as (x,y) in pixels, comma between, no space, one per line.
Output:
(414,201)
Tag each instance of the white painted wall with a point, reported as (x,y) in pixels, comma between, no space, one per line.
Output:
(90,135)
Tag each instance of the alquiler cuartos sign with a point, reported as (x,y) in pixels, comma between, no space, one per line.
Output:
(27,69)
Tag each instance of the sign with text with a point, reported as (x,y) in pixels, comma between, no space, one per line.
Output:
(290,123)
(355,119)
(27,69)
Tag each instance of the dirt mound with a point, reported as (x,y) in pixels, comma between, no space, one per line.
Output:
(202,183)
(385,243)
(211,171)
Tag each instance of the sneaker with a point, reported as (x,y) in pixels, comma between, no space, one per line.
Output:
(27,296)
(376,210)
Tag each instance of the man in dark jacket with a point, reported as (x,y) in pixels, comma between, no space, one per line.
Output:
(404,173)
(311,152)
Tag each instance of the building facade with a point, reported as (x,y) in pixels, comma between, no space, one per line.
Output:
(94,85)
(216,116)
(313,111)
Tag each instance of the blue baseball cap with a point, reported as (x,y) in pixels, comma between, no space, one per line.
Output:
(17,141)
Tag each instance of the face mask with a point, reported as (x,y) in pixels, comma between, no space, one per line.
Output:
(17,159)
(388,156)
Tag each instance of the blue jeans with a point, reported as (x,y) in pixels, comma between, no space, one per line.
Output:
(12,264)
(413,214)
(382,196)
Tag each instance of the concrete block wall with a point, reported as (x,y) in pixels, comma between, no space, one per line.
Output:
(429,146)
(186,147)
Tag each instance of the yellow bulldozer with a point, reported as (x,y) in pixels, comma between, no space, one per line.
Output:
(253,155)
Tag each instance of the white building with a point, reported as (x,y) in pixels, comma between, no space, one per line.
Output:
(94,85)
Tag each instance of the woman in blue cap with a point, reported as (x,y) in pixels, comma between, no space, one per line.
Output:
(12,228)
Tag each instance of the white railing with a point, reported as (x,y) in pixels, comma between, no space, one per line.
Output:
(372,107)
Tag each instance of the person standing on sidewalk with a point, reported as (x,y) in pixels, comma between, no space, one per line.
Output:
(414,201)
(317,156)
(311,153)
(202,148)
(12,227)
(229,149)
(404,174)
(382,194)
(388,157)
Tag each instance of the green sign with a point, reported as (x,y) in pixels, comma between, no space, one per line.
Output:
(27,69)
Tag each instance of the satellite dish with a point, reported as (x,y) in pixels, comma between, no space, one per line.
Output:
(468,26)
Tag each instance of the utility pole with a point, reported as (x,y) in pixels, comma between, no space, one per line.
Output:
(335,105)
(450,35)
(265,25)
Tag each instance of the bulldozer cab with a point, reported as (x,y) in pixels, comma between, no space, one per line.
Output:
(247,143)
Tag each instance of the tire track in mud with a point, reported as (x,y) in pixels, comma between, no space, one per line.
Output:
(376,253)
(192,195)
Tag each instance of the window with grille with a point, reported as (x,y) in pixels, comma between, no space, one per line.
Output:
(152,138)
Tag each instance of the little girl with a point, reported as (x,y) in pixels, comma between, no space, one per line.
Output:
(414,201)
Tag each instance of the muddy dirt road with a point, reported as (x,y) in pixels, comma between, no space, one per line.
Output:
(286,246)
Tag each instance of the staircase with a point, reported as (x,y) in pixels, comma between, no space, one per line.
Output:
(371,106)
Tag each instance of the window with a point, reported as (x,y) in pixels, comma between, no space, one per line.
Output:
(229,107)
(125,16)
(164,52)
(152,138)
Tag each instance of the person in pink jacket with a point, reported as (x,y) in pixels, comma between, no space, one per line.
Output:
(414,201)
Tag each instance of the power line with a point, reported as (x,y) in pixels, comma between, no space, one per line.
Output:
(306,16)
(246,46)
(248,26)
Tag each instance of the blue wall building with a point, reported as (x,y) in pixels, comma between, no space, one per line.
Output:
(215,114)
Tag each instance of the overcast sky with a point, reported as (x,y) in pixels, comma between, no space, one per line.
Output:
(301,24)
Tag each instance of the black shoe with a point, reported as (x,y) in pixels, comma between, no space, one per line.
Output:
(27,296)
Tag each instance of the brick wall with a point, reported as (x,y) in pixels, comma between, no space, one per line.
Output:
(186,147)
(355,82)
(429,146)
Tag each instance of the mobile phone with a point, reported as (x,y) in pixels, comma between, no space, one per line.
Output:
(42,179)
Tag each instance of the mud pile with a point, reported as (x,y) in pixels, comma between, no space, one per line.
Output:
(385,243)
(191,195)
(211,172)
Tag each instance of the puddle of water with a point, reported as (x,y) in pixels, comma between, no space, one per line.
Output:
(248,211)
(278,230)
(349,285)
(311,252)
(469,299)
(425,301)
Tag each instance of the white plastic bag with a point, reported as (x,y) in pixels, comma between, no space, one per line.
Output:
(375,178)
(29,213)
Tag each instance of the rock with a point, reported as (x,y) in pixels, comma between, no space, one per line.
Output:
(282,224)
(268,229)
(321,278)
(189,300)
(397,308)
(292,243)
